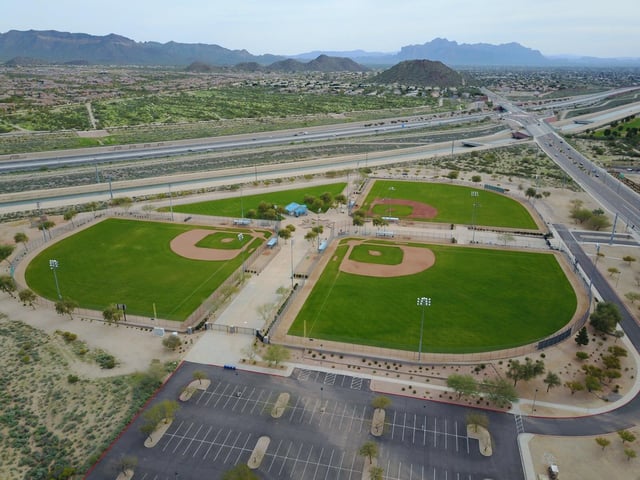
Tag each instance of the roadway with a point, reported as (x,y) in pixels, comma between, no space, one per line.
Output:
(49,160)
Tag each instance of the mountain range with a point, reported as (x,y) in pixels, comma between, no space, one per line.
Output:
(52,46)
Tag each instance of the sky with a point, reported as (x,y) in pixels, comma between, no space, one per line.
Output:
(287,27)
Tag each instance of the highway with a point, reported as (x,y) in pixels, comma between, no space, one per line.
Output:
(49,160)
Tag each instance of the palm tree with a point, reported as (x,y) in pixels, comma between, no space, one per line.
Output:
(552,380)
(370,450)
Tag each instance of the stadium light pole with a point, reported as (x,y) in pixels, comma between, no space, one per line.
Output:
(474,195)
(171,202)
(422,302)
(244,256)
(292,264)
(53,265)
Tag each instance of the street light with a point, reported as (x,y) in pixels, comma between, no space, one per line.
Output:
(533,407)
(422,302)
(474,195)
(53,265)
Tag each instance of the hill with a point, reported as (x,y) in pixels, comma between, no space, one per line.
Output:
(453,53)
(322,63)
(61,47)
(423,73)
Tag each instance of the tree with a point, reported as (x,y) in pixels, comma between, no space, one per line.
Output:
(630,453)
(617,351)
(598,222)
(506,237)
(276,354)
(27,297)
(376,473)
(453,174)
(628,259)
(240,472)
(476,178)
(291,227)
(128,462)
(611,361)
(632,296)
(285,234)
(626,436)
(7,284)
(582,338)
(369,450)
(66,306)
(603,442)
(605,317)
(477,420)
(311,236)
(381,402)
(530,193)
(581,215)
(592,384)
(69,215)
(171,342)
(161,412)
(22,238)
(552,380)
(574,386)
(500,392)
(525,371)
(112,314)
(250,351)
(199,375)
(613,271)
(265,310)
(6,251)
(462,384)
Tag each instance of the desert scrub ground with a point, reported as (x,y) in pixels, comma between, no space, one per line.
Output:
(53,422)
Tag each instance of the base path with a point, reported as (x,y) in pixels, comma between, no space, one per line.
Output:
(185,246)
(414,260)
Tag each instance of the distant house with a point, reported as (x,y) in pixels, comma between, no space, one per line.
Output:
(295,209)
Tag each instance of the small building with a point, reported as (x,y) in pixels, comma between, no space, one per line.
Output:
(296,209)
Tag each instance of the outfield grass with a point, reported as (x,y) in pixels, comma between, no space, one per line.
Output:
(482,299)
(454,204)
(130,262)
(234,207)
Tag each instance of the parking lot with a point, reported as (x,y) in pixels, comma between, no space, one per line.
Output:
(318,436)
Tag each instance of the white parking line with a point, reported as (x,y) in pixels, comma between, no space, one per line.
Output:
(231,447)
(295,460)
(211,445)
(342,416)
(192,439)
(435,439)
(318,464)
(248,399)
(202,441)
(273,459)
(293,409)
(182,437)
(171,436)
(222,395)
(224,442)
(267,402)
(331,466)
(445,434)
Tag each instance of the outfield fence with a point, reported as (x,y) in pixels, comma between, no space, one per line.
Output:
(86,219)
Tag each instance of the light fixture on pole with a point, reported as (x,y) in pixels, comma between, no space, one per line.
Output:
(533,407)
(170,202)
(422,302)
(474,195)
(53,265)
(241,239)
(292,264)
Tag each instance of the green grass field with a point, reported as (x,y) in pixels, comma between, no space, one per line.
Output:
(482,299)
(233,207)
(386,255)
(126,261)
(454,204)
